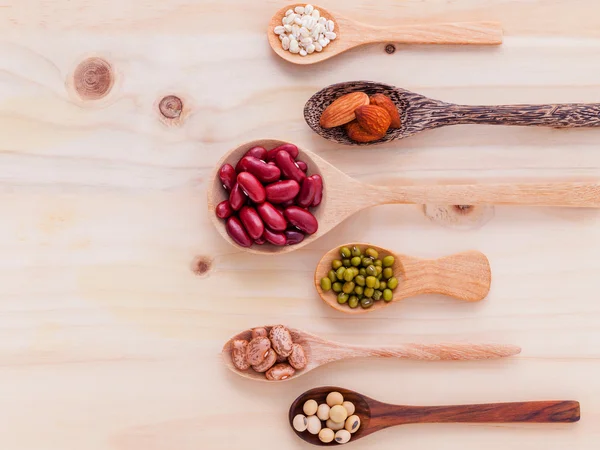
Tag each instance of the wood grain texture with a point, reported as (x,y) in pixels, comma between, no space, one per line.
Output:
(117,293)
(351,34)
(321,351)
(419,113)
(375,415)
(464,276)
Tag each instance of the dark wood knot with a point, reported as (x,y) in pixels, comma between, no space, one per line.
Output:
(170,107)
(463,209)
(201,265)
(93,78)
(390,48)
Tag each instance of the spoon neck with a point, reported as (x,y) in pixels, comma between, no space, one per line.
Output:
(384,415)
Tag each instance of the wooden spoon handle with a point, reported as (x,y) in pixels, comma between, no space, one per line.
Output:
(481,33)
(569,115)
(573,194)
(435,352)
(546,411)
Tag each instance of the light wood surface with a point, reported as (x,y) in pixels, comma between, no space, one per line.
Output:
(110,326)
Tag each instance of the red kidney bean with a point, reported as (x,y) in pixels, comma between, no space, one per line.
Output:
(236,231)
(302,165)
(237,197)
(318,189)
(302,219)
(273,218)
(275,237)
(224,210)
(286,204)
(259,241)
(282,191)
(271,163)
(290,148)
(227,176)
(264,172)
(293,237)
(307,193)
(252,187)
(252,222)
(288,167)
(257,152)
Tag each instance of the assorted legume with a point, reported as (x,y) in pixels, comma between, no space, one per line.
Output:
(333,420)
(361,277)
(303,31)
(269,197)
(270,351)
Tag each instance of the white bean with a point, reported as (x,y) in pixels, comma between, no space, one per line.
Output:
(322,43)
(318,47)
(285,43)
(279,30)
(306,41)
(303,52)
(330,25)
(308,9)
(288,12)
(299,9)
(310,48)
(316,14)
(288,28)
(294,47)
(322,20)
(330,35)
(298,21)
(304,32)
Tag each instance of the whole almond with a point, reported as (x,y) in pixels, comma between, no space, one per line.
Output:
(374,119)
(358,133)
(386,103)
(341,111)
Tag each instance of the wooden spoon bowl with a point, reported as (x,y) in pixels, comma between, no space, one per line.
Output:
(465,276)
(319,351)
(335,206)
(375,416)
(351,33)
(419,113)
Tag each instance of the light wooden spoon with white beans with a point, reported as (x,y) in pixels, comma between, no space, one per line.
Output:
(320,351)
(351,33)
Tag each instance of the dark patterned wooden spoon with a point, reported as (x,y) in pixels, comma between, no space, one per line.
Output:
(419,113)
(375,416)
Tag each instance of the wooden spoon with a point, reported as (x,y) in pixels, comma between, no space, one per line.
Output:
(352,34)
(319,351)
(419,113)
(375,416)
(337,205)
(465,276)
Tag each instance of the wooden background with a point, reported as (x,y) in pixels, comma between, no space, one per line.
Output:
(109,336)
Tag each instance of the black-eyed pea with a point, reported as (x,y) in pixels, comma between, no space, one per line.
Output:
(297,358)
(326,435)
(258,349)
(238,354)
(342,436)
(269,362)
(338,413)
(313,425)
(334,398)
(352,424)
(281,339)
(349,407)
(300,423)
(323,411)
(280,372)
(310,407)
(259,332)
(334,425)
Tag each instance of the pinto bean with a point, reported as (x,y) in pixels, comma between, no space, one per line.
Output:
(238,354)
(297,358)
(258,332)
(269,361)
(281,339)
(280,372)
(258,349)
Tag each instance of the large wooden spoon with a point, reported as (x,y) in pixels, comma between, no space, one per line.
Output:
(375,415)
(419,113)
(465,276)
(320,351)
(352,34)
(337,205)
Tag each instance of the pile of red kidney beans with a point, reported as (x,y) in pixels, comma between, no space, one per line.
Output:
(269,196)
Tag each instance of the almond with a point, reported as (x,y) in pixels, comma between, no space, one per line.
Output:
(341,111)
(386,103)
(374,119)
(358,133)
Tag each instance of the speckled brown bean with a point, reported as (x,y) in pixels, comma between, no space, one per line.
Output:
(238,354)
(258,332)
(281,339)
(280,372)
(297,358)
(281,359)
(258,349)
(269,361)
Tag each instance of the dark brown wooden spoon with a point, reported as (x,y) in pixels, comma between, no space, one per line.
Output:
(419,113)
(375,415)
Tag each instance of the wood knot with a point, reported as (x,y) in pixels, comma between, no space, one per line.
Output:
(461,217)
(170,107)
(390,48)
(93,78)
(201,265)
(463,209)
